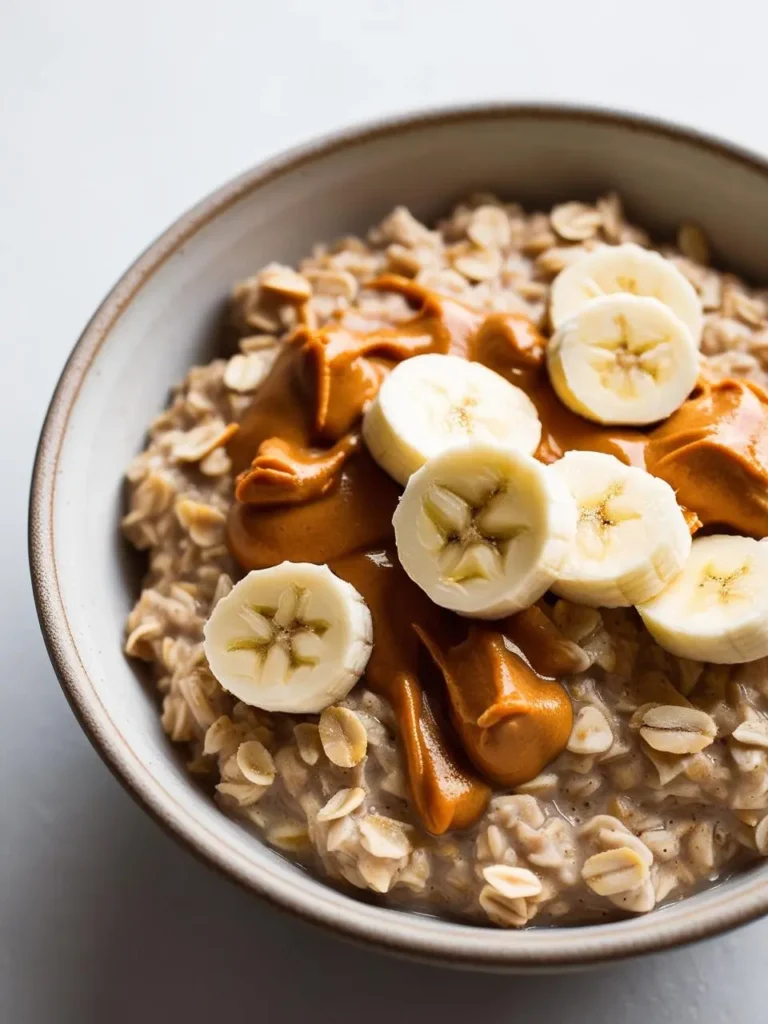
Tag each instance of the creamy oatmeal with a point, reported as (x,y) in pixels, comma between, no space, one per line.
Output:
(495,733)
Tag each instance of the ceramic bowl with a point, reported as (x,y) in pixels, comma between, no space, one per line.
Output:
(161,318)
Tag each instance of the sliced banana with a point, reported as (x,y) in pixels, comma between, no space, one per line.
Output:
(717,608)
(484,530)
(291,638)
(631,538)
(432,402)
(623,360)
(625,268)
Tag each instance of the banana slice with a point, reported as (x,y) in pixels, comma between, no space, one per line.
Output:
(291,638)
(631,539)
(717,608)
(625,268)
(432,402)
(623,360)
(484,530)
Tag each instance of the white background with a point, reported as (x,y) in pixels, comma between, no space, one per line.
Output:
(113,119)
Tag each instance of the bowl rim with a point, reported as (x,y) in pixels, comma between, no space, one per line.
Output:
(359,921)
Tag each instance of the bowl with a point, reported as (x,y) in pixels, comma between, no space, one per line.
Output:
(162,316)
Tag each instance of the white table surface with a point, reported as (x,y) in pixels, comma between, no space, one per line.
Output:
(113,119)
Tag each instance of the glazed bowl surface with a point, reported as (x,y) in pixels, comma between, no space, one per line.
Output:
(164,315)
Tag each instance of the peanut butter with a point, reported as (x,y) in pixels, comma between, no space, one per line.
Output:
(308,491)
(511,721)
(714,452)
(446,792)
(548,651)
(354,513)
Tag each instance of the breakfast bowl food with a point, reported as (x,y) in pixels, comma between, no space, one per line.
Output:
(449,590)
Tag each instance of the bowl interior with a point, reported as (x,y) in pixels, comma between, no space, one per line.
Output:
(163,317)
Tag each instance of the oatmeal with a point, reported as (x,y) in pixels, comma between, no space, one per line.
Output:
(493,709)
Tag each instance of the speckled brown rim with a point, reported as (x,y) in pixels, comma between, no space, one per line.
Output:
(395,933)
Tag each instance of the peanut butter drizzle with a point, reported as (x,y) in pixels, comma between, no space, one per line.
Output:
(549,653)
(445,791)
(307,490)
(511,721)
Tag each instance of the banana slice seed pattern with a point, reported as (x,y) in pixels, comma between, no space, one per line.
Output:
(598,517)
(283,634)
(622,361)
(475,536)
(461,416)
(718,587)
